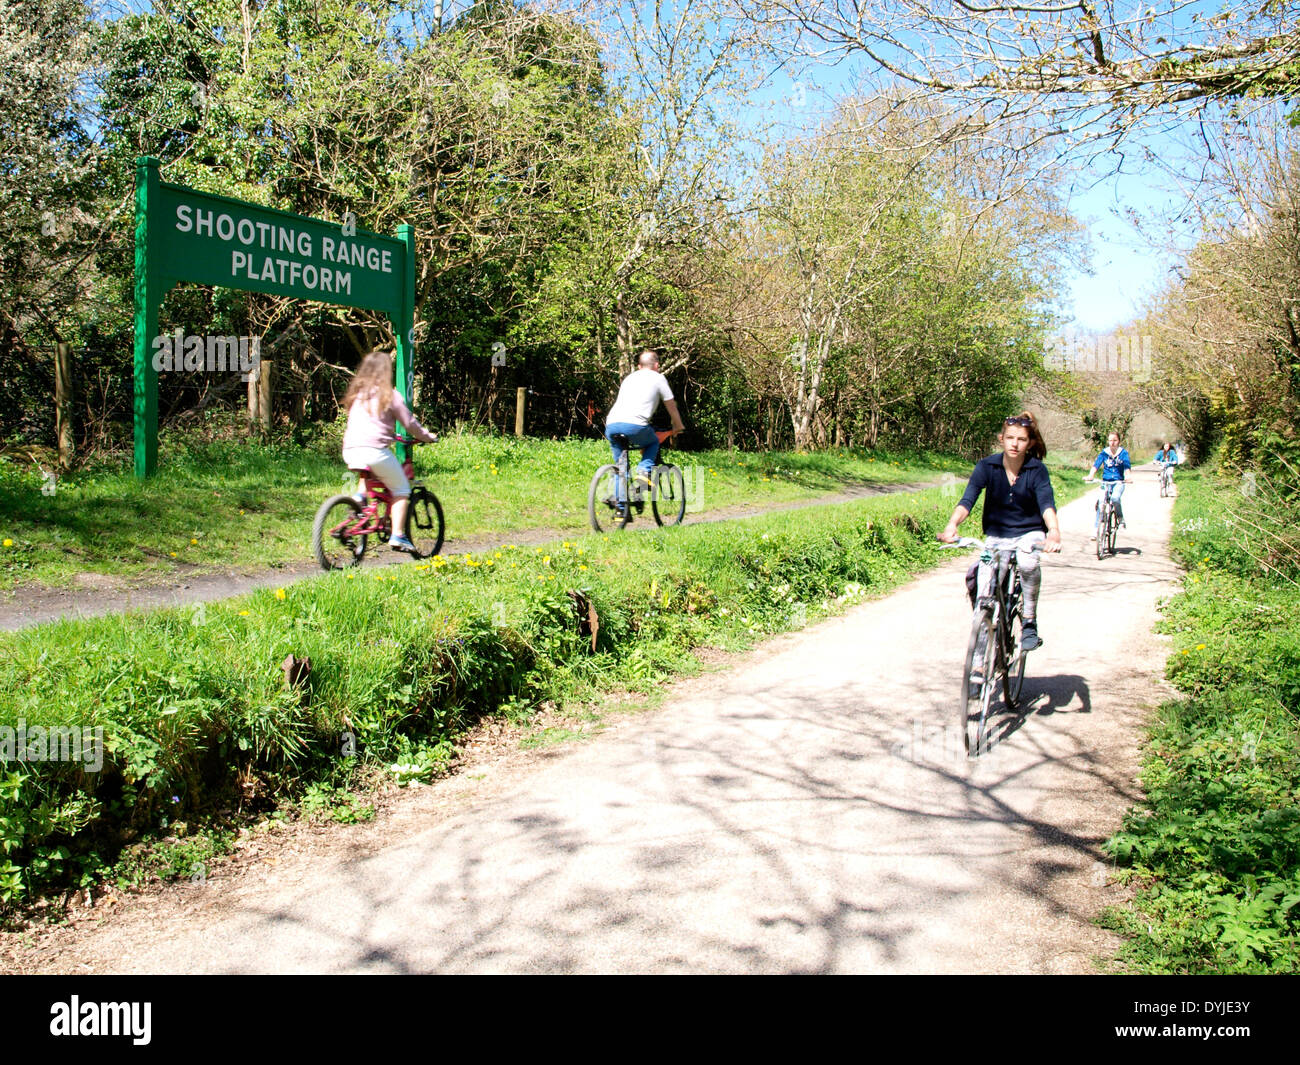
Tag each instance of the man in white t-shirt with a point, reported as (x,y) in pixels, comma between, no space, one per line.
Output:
(638,399)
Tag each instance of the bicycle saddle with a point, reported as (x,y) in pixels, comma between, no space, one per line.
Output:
(620,440)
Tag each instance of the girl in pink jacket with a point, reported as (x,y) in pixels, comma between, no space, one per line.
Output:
(374,408)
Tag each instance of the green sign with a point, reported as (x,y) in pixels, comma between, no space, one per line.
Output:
(183,235)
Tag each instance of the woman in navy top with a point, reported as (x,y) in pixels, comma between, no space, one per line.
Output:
(1114,464)
(1019,510)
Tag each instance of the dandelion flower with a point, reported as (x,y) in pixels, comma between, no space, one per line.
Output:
(581,566)
(1200,647)
(279,593)
(172,553)
(193,542)
(244,613)
(8,542)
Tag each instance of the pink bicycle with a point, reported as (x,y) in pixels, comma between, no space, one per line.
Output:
(343,526)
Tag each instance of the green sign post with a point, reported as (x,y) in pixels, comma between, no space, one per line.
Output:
(184,235)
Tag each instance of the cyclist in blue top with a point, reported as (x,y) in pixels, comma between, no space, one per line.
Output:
(1166,458)
(1019,511)
(1114,465)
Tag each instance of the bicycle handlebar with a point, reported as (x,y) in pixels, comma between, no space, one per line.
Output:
(970,541)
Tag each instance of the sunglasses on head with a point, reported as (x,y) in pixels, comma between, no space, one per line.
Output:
(1024,423)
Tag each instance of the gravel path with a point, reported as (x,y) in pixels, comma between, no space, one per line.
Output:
(94,594)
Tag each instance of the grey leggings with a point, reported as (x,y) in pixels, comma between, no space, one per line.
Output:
(1031,574)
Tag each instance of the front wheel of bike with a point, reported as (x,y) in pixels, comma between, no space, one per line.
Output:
(1113,534)
(668,497)
(979,679)
(1013,670)
(332,542)
(1102,533)
(602,500)
(424,523)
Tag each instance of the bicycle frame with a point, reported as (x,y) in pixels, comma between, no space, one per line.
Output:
(1003,597)
(371,522)
(622,477)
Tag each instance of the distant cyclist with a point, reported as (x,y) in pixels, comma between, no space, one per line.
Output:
(1019,510)
(638,399)
(1167,458)
(1114,464)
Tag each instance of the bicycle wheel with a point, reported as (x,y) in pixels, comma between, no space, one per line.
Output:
(602,501)
(668,495)
(424,523)
(331,542)
(1164,485)
(979,678)
(1013,669)
(1101,536)
(1113,532)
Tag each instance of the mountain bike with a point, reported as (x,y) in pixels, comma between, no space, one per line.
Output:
(994,649)
(343,526)
(613,498)
(1108,521)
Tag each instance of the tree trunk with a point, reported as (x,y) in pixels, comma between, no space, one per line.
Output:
(623,328)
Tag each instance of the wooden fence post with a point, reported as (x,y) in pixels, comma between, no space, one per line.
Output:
(519,410)
(63,401)
(265,372)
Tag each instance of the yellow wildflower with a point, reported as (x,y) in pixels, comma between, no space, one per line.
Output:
(8,542)
(279,593)
(244,613)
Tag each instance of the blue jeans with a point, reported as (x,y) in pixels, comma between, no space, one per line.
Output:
(1116,490)
(642,436)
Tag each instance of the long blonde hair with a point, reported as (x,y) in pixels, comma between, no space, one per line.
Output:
(373,381)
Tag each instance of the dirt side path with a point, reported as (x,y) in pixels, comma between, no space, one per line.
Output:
(808,811)
(95,594)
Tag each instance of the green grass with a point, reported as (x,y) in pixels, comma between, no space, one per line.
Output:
(244,505)
(1214,852)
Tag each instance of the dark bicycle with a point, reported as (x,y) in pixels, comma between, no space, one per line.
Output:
(343,526)
(994,651)
(1107,520)
(614,498)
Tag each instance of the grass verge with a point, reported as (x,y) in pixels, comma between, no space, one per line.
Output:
(242,504)
(1214,852)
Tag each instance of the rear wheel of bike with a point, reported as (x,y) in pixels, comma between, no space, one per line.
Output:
(668,496)
(331,542)
(979,679)
(1013,671)
(424,523)
(602,500)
